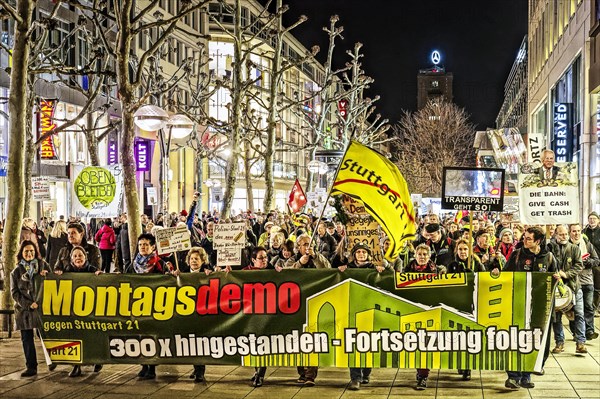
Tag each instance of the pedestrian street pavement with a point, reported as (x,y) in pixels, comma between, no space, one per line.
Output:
(567,375)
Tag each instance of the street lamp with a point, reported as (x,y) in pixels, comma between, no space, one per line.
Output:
(153,118)
(150,117)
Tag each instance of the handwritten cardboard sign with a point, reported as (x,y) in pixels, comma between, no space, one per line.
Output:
(173,239)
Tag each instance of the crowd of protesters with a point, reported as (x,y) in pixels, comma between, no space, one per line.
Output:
(281,241)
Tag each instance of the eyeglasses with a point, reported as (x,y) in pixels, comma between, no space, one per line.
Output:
(261,257)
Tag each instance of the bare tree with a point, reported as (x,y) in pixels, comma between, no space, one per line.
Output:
(131,71)
(22,14)
(347,84)
(438,135)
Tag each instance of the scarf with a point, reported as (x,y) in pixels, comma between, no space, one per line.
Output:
(142,264)
(582,246)
(31,267)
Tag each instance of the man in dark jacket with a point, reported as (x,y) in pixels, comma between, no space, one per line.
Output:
(592,232)
(570,265)
(532,257)
(442,247)
(123,251)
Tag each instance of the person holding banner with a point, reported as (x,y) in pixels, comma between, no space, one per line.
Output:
(23,292)
(259,261)
(80,264)
(76,237)
(146,261)
(361,258)
(422,263)
(592,232)
(461,262)
(442,247)
(532,257)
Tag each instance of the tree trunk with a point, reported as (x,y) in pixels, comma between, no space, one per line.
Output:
(272,117)
(126,94)
(236,115)
(30,156)
(92,140)
(17,106)
(248,175)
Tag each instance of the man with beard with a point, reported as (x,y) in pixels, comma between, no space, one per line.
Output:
(532,257)
(569,264)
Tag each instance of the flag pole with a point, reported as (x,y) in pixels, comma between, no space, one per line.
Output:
(337,171)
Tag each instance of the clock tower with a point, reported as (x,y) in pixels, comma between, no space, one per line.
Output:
(434,83)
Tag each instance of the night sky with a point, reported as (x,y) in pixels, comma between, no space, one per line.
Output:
(478,41)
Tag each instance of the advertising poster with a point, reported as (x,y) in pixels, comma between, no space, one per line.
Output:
(96,190)
(549,199)
(358,318)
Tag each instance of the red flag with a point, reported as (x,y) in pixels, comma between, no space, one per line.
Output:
(297,199)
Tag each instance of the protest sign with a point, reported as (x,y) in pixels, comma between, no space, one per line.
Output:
(96,190)
(40,189)
(173,239)
(228,241)
(552,199)
(361,227)
(480,189)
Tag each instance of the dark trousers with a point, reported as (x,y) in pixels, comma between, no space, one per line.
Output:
(308,372)
(260,371)
(199,370)
(107,255)
(29,349)
(422,373)
(358,374)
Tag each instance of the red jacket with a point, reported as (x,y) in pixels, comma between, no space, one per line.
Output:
(105,237)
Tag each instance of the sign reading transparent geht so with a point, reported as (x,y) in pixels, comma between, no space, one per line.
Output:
(358,318)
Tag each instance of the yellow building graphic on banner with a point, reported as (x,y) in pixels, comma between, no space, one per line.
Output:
(369,327)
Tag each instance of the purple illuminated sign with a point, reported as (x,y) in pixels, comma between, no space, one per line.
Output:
(112,149)
(143,157)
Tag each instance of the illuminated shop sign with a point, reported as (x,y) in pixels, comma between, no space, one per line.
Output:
(562,144)
(143,159)
(46,124)
(112,149)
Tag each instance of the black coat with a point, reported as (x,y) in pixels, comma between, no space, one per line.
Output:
(23,292)
(55,244)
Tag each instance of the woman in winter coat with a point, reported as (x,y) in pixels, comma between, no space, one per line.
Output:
(58,238)
(23,291)
(107,240)
(79,264)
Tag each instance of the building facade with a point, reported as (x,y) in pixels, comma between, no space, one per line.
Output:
(559,56)
(189,168)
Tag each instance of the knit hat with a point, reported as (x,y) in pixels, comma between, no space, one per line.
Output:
(432,228)
(506,230)
(183,212)
(594,213)
(360,245)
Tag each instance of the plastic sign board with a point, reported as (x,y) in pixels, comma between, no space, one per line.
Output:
(480,189)
(562,144)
